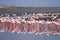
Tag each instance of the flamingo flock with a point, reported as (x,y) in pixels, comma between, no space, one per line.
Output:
(28,24)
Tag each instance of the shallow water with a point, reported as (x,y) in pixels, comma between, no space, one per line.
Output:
(27,36)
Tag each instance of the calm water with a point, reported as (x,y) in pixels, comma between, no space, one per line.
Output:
(20,36)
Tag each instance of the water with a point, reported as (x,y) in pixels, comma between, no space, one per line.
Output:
(27,36)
